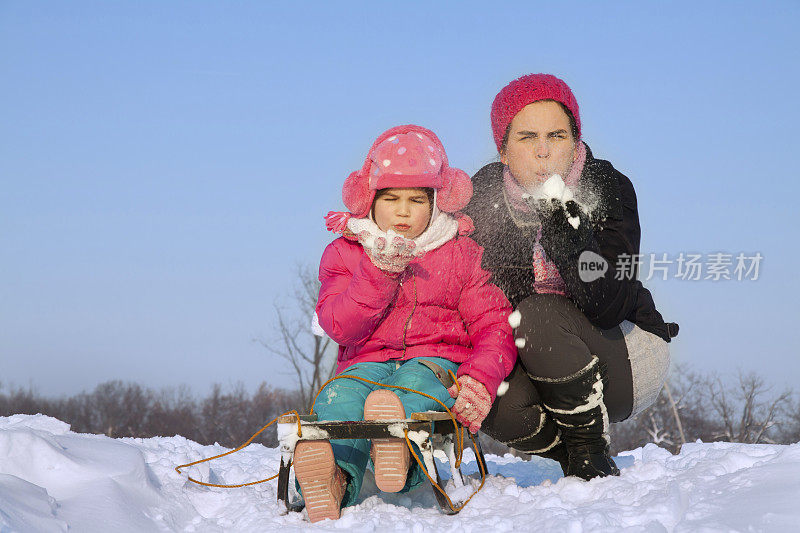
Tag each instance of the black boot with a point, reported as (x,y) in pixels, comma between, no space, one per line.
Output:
(576,404)
(558,453)
(544,440)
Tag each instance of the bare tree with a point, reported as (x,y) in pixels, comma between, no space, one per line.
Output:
(695,406)
(790,432)
(20,401)
(120,408)
(746,413)
(658,434)
(310,356)
(173,411)
(677,415)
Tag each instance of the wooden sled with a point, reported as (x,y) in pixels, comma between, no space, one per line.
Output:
(431,430)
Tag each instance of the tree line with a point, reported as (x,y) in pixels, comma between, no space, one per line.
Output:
(122,409)
(692,406)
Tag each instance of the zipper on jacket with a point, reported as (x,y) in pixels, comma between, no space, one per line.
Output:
(408,320)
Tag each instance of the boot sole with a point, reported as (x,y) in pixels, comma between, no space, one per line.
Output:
(315,470)
(390,456)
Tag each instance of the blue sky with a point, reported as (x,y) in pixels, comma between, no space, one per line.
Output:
(165,165)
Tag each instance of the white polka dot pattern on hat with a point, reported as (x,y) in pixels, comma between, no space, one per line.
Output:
(407,154)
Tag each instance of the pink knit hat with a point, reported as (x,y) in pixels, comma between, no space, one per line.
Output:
(407,156)
(526,90)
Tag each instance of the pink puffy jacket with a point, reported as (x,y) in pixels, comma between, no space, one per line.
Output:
(442,305)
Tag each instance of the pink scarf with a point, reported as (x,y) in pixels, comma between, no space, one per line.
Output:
(547,280)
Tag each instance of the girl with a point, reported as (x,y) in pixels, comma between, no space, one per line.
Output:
(403,284)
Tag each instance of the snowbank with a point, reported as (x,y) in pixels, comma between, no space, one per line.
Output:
(54,480)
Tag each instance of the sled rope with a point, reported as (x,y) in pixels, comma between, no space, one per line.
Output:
(256,434)
(459,432)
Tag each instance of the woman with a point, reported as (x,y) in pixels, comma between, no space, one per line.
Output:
(592,346)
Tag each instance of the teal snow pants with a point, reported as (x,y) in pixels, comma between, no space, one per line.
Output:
(343,399)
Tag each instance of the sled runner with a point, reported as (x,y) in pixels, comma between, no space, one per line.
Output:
(429,430)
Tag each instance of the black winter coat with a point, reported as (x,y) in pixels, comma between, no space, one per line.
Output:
(508,249)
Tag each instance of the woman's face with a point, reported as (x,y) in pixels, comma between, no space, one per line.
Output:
(540,144)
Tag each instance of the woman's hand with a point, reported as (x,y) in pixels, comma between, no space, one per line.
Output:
(391,257)
(473,402)
(565,227)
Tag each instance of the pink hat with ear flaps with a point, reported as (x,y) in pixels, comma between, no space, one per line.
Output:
(407,156)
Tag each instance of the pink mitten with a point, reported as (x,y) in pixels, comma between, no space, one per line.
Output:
(389,257)
(472,403)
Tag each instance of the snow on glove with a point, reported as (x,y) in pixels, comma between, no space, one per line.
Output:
(393,256)
(472,402)
(565,227)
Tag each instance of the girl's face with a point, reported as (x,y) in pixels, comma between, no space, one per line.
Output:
(406,211)
(540,144)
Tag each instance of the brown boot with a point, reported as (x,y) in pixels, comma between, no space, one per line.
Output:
(390,456)
(321,480)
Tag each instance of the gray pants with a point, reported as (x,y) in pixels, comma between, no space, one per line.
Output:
(560,341)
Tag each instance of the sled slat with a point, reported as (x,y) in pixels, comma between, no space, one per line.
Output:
(290,419)
(430,416)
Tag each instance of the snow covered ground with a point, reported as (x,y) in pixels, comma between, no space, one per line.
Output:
(54,480)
